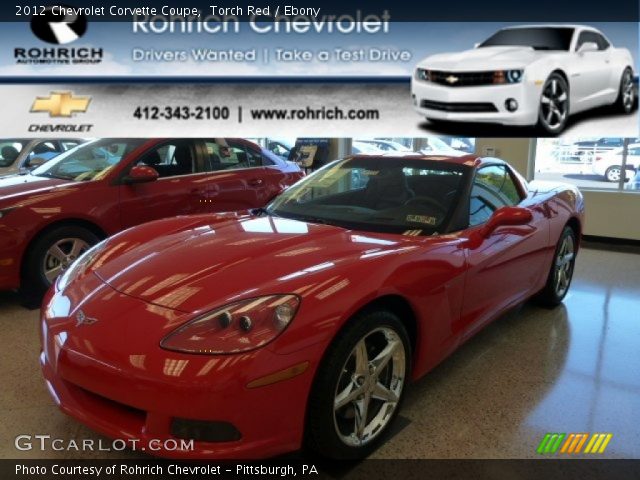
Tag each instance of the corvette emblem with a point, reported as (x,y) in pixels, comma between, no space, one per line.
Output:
(452,79)
(82,319)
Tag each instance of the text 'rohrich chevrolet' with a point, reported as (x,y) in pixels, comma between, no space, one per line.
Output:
(526,75)
(256,332)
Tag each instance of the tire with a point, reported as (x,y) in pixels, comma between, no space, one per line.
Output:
(328,429)
(561,273)
(554,108)
(626,100)
(613,173)
(40,261)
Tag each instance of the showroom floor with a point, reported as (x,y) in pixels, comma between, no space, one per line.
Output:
(572,369)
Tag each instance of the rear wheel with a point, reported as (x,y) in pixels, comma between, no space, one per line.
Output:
(359,387)
(553,111)
(51,254)
(613,173)
(626,95)
(559,279)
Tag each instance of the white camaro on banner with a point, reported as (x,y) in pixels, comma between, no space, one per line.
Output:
(526,75)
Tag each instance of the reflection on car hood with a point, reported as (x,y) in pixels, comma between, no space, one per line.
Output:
(14,187)
(482,59)
(200,263)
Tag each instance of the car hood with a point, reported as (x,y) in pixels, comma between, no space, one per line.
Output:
(202,262)
(485,58)
(15,187)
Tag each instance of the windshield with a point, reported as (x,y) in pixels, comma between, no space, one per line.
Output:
(90,161)
(539,38)
(376,194)
(10,150)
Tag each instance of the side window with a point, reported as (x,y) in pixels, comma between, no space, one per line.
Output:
(492,188)
(230,157)
(171,159)
(594,37)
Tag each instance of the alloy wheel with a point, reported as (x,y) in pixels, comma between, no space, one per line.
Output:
(61,255)
(613,174)
(554,104)
(628,91)
(369,387)
(564,265)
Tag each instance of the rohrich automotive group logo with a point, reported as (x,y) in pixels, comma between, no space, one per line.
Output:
(58,25)
(58,29)
(62,105)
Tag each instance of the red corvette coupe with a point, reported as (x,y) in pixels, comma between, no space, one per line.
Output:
(50,216)
(250,334)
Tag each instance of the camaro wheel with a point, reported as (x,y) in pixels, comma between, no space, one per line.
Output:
(627,95)
(559,279)
(51,255)
(359,387)
(613,173)
(554,105)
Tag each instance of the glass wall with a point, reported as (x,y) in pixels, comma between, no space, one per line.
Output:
(590,163)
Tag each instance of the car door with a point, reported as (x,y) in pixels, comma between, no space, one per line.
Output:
(590,79)
(239,177)
(173,193)
(505,266)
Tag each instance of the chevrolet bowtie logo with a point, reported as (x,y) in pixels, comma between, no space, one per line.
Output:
(452,79)
(60,104)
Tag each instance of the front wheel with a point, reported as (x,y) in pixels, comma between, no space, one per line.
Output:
(51,254)
(359,387)
(626,94)
(553,111)
(561,273)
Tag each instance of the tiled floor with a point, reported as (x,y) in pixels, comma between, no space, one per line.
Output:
(572,369)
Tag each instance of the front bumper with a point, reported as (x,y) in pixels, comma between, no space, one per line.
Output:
(485,104)
(118,382)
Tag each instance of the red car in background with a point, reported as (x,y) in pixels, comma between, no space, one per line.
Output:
(253,333)
(52,215)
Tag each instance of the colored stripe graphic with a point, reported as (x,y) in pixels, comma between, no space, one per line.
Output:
(573,442)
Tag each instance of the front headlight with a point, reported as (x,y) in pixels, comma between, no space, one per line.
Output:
(80,265)
(508,76)
(423,74)
(237,327)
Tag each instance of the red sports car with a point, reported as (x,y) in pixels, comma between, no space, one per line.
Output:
(254,333)
(50,216)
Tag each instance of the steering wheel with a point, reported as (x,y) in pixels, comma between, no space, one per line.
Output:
(426,201)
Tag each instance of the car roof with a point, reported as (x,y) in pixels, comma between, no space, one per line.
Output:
(542,25)
(472,161)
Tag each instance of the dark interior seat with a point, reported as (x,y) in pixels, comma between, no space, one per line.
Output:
(388,189)
(9,154)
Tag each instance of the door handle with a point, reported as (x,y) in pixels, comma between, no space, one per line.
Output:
(255,182)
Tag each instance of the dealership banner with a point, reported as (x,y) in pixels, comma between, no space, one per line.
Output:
(305,74)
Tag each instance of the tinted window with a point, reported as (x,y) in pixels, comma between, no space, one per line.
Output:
(9,151)
(91,161)
(376,194)
(543,38)
(594,37)
(231,156)
(171,159)
(492,188)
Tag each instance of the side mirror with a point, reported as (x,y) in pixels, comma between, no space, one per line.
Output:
(141,174)
(588,47)
(507,216)
(35,162)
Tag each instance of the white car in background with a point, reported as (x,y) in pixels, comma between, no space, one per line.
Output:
(19,155)
(526,75)
(609,164)
(437,146)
